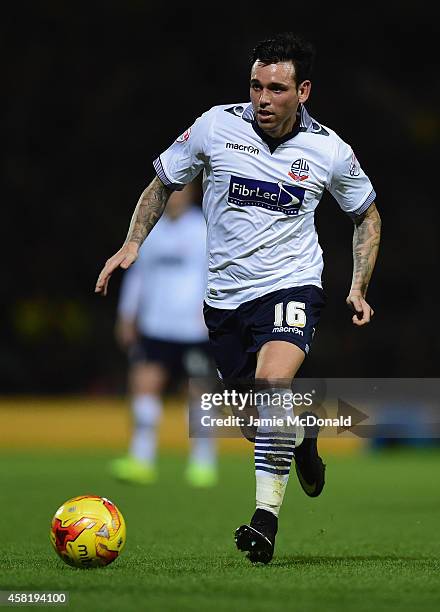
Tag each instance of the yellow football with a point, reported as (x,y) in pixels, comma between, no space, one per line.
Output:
(88,531)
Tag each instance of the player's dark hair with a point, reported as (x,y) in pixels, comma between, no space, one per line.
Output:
(286,47)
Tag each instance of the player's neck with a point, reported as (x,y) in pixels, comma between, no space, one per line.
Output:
(274,141)
(279,132)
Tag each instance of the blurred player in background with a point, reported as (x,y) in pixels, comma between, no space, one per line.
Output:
(266,164)
(160,325)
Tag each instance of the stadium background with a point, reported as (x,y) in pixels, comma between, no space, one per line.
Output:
(93,93)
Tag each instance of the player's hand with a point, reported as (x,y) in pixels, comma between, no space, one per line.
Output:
(126,255)
(361,308)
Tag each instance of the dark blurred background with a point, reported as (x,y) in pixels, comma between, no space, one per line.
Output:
(93,92)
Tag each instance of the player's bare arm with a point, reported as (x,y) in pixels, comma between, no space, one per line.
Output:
(366,239)
(147,213)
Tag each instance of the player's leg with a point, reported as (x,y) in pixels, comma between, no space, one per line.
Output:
(281,360)
(147,383)
(277,364)
(201,469)
(147,380)
(230,341)
(276,445)
(278,360)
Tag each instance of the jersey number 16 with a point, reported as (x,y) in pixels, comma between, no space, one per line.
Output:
(295,315)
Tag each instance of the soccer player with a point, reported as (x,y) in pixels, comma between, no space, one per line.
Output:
(265,166)
(160,325)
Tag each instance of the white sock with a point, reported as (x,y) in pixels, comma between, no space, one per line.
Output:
(203,451)
(274,447)
(147,410)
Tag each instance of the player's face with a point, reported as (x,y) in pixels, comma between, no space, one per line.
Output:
(275,96)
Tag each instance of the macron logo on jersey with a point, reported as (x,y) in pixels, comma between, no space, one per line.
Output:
(242,147)
(273,196)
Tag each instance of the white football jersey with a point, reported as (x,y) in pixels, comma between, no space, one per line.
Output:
(260,196)
(163,290)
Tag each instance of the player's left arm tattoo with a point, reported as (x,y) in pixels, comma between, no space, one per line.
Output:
(366,239)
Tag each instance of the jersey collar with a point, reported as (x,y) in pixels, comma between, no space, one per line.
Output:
(303,123)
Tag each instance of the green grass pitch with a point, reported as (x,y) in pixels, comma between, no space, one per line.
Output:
(370,542)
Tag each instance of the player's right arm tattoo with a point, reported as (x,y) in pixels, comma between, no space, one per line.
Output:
(148,211)
(366,239)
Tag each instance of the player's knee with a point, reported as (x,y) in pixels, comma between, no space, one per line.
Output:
(146,379)
(279,360)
